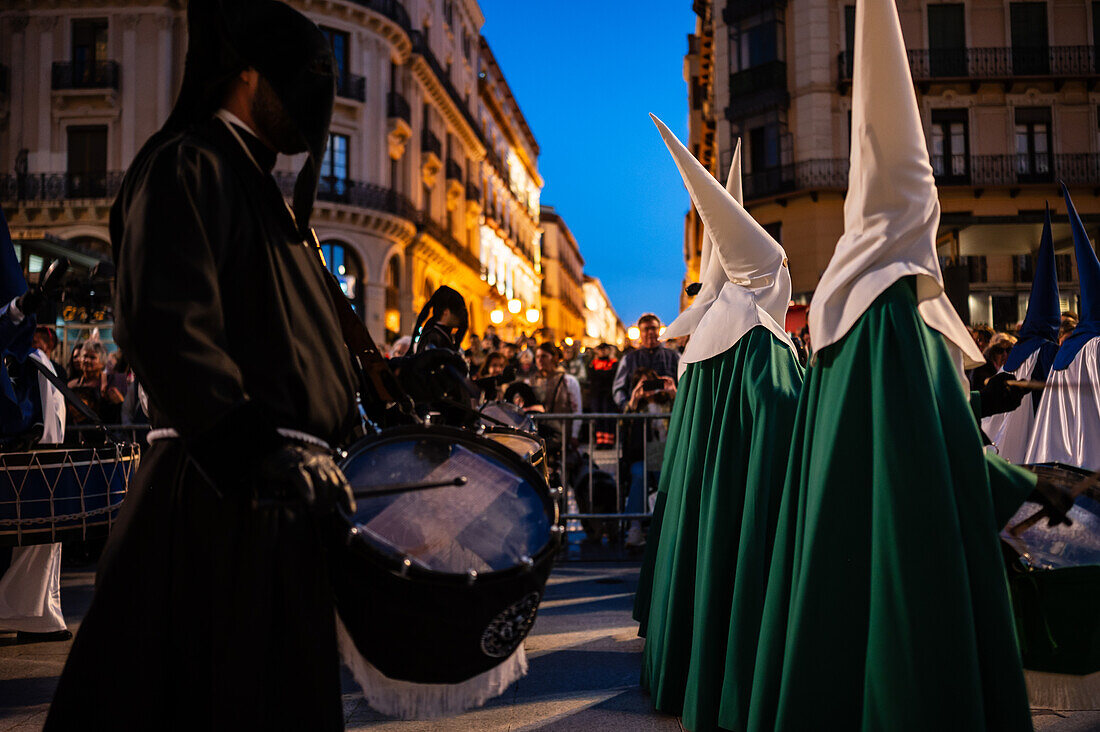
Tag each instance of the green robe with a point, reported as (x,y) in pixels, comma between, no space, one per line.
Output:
(887,604)
(721,480)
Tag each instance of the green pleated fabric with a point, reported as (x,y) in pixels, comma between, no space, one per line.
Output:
(887,604)
(721,480)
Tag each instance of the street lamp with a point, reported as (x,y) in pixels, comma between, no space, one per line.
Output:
(497,316)
(661,332)
(633,333)
(568,341)
(514,306)
(532,315)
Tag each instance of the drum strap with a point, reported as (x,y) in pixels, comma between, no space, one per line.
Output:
(66,392)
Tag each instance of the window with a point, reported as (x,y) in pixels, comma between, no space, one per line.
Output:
(339,42)
(87,161)
(756,42)
(1023,268)
(947,40)
(1063,265)
(344,264)
(1033,144)
(950,145)
(1096,36)
(977,269)
(1030,40)
(334,166)
(849,39)
(89,48)
(764,147)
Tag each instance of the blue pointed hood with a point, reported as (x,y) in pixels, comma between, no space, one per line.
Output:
(1044,313)
(12,284)
(1088,273)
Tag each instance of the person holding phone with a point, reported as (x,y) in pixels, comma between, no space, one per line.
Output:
(645,444)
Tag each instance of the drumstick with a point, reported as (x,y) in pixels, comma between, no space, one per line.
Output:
(410,487)
(1089,481)
(1039,385)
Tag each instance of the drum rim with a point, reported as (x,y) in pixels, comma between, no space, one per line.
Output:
(394,564)
(516,432)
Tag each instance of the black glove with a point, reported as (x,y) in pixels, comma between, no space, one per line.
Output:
(30,301)
(1054,500)
(999,397)
(49,288)
(311,475)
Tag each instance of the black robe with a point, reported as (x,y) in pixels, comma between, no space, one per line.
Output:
(211,612)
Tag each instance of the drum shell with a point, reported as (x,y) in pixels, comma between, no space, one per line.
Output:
(1058,619)
(538,457)
(84,485)
(418,628)
(423,626)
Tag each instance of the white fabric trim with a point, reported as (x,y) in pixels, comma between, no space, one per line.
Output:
(53,403)
(409,700)
(30,590)
(14,313)
(1067,426)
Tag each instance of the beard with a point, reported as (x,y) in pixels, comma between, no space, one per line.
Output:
(273,122)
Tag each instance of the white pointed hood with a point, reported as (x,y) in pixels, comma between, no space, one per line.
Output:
(711,275)
(757,286)
(892,210)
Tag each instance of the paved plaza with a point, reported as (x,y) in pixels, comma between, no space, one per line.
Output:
(584,664)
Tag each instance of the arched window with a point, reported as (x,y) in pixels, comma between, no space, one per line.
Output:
(343,262)
(393,297)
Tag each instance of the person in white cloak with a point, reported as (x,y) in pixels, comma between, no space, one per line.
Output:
(1031,358)
(1067,426)
(30,587)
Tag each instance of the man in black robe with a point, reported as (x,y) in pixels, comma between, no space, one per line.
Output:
(212,605)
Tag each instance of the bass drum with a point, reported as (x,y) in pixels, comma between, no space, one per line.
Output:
(1054,575)
(437,587)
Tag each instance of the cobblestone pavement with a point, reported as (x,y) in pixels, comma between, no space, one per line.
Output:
(584,663)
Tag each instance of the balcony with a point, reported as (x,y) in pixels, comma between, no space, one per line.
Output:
(392,9)
(354,193)
(757,90)
(352,86)
(397,107)
(454,170)
(473,193)
(1007,65)
(426,224)
(738,10)
(430,144)
(960,170)
(30,187)
(420,47)
(498,166)
(95,75)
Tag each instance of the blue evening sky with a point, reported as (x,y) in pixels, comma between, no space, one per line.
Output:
(586,74)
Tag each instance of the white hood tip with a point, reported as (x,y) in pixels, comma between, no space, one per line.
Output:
(746,269)
(891,211)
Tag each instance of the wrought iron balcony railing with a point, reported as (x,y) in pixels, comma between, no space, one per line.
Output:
(397,106)
(352,86)
(737,10)
(426,223)
(15,188)
(354,193)
(429,143)
(420,46)
(85,75)
(454,170)
(992,64)
(772,75)
(498,165)
(473,193)
(958,170)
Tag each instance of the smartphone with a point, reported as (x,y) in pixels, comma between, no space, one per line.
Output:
(653,385)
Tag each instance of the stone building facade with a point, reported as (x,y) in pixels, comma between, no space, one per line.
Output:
(1008,94)
(563,279)
(430,178)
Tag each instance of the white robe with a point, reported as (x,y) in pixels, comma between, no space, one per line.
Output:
(1011,431)
(1067,427)
(30,589)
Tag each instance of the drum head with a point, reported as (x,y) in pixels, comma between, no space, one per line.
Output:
(508,414)
(1055,547)
(498,520)
(522,444)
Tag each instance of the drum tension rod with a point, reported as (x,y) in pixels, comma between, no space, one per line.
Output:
(410,487)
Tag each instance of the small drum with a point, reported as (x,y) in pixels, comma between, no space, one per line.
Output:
(1055,581)
(437,585)
(528,446)
(503,414)
(56,495)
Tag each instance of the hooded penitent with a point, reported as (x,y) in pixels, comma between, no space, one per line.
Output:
(290,52)
(1068,421)
(887,605)
(751,266)
(711,275)
(1032,356)
(701,588)
(891,211)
